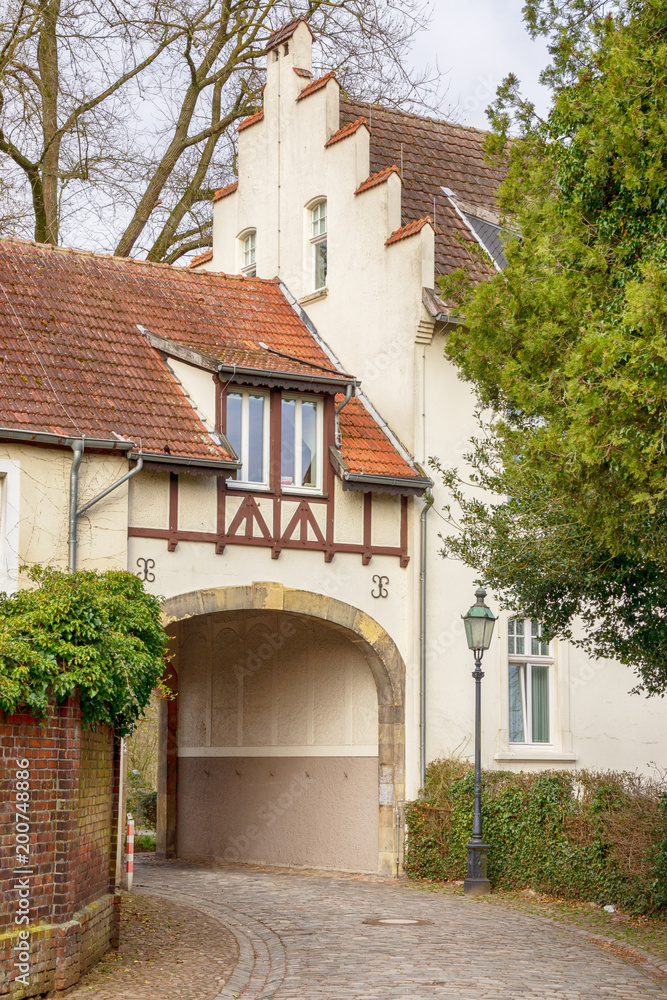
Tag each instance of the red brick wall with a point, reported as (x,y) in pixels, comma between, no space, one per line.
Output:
(57,848)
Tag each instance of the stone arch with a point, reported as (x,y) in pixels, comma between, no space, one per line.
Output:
(383,657)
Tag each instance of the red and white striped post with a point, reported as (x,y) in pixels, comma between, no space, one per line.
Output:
(129,856)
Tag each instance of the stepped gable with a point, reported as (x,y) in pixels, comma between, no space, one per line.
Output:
(432,154)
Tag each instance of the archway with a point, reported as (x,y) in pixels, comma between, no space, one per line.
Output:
(358,637)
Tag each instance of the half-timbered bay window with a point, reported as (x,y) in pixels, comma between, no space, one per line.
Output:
(248,433)
(318,240)
(530,668)
(301,443)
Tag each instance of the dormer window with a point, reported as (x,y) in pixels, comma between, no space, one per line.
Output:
(301,444)
(249,267)
(318,241)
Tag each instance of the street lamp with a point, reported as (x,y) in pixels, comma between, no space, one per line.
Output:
(479,623)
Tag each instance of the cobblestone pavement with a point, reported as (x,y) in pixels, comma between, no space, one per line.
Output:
(302,936)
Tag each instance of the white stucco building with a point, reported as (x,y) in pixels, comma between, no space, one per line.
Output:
(284,396)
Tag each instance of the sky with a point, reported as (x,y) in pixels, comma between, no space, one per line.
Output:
(475,44)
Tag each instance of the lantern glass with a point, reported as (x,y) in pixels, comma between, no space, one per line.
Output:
(479,623)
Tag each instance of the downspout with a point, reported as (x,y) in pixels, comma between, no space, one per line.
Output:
(74,511)
(77,455)
(349,392)
(422,645)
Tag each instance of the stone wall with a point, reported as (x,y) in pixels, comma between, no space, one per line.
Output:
(58,819)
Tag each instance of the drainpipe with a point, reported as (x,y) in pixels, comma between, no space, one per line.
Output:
(77,455)
(422,645)
(74,511)
(349,392)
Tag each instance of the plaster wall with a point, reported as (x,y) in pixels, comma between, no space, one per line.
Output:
(297,811)
(284,169)
(43,523)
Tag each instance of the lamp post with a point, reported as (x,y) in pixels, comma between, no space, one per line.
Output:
(479,623)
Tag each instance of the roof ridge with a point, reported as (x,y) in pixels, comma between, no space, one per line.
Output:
(109,257)
(409,229)
(412,114)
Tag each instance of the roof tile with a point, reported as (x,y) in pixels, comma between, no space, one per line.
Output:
(322,81)
(286,32)
(410,229)
(224,191)
(73,359)
(379,178)
(343,133)
(201,258)
(433,154)
(305,73)
(252,120)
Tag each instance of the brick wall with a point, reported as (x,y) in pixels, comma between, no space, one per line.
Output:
(58,819)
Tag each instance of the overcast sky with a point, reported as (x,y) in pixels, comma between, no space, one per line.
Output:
(476,43)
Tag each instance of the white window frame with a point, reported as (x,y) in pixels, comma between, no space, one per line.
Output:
(527,660)
(248,269)
(10,496)
(319,430)
(316,240)
(245,395)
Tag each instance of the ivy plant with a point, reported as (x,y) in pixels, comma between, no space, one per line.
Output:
(97,636)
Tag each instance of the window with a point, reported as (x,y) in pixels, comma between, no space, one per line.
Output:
(318,240)
(300,444)
(530,669)
(249,246)
(248,434)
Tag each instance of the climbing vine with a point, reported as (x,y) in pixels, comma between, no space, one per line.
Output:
(94,635)
(599,836)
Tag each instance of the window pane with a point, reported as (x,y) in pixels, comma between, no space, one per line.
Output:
(320,250)
(516,674)
(249,250)
(234,410)
(538,647)
(519,631)
(510,636)
(308,443)
(540,692)
(320,219)
(255,471)
(287,471)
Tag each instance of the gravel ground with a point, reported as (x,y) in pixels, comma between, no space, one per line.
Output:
(167,952)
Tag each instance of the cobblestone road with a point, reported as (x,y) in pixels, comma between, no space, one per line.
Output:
(303,937)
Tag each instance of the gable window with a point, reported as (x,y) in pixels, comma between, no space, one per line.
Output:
(318,241)
(530,676)
(247,429)
(301,444)
(249,268)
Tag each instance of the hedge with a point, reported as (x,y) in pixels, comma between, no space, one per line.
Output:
(586,835)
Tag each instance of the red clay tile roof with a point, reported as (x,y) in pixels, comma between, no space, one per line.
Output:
(317,85)
(378,178)
(201,258)
(433,154)
(286,32)
(252,120)
(366,449)
(343,133)
(224,191)
(303,72)
(73,361)
(408,230)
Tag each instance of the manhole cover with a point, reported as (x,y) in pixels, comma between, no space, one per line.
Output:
(393,921)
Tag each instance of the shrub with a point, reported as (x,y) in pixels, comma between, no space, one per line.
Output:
(586,835)
(94,635)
